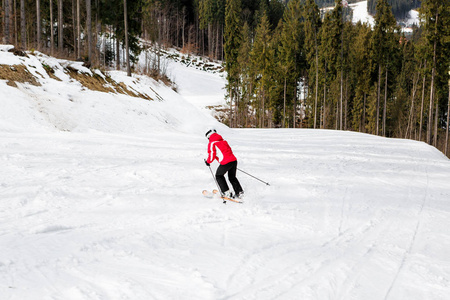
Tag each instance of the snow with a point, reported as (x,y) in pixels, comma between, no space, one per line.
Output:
(100,198)
(192,87)
(360,14)
(413,18)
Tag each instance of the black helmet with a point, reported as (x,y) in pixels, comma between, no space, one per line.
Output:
(210,132)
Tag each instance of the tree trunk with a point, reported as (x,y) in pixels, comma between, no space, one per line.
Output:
(341,114)
(237,102)
(338,114)
(324,98)
(38,22)
(409,128)
(78,30)
(430,112)
(317,80)
(210,40)
(183,27)
(16,32)
(6,22)
(423,101)
(342,73)
(23,27)
(294,110)
(284,104)
(346,103)
(74,28)
(218,41)
(125,17)
(263,111)
(378,100)
(385,102)
(60,27)
(117,52)
(433,73)
(364,114)
(448,119)
(436,119)
(230,121)
(52,36)
(96,36)
(89,30)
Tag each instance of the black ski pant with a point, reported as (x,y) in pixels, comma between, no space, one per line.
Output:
(220,177)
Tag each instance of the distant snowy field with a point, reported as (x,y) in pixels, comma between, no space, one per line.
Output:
(360,14)
(100,198)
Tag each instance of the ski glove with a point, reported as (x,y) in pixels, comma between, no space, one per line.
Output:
(206,163)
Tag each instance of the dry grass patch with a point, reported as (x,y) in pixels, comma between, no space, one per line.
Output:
(17,73)
(100,84)
(95,82)
(50,72)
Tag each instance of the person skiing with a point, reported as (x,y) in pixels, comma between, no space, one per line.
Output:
(218,149)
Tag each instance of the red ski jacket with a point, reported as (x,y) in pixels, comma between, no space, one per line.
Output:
(219,149)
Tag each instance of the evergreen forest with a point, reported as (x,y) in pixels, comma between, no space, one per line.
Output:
(288,63)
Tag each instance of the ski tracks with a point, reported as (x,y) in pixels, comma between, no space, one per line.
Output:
(409,248)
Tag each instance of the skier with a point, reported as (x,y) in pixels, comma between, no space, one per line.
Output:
(218,149)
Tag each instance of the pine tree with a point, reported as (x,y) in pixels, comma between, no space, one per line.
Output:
(112,13)
(289,57)
(212,15)
(338,18)
(403,104)
(262,58)
(435,16)
(330,55)
(325,59)
(233,40)
(312,27)
(246,78)
(361,69)
(383,43)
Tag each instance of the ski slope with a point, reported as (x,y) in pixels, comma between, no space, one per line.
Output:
(100,198)
(360,14)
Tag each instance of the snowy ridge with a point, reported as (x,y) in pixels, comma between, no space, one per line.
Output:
(61,102)
(100,198)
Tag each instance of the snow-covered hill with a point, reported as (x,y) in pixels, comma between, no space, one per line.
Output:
(360,14)
(61,100)
(100,198)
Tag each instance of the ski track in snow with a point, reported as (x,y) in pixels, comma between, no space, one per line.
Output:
(409,249)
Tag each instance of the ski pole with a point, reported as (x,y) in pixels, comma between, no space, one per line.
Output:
(220,191)
(253,177)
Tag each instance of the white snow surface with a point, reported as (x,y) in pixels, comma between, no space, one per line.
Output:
(360,14)
(100,198)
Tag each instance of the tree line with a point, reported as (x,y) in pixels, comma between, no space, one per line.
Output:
(70,28)
(319,70)
(288,63)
